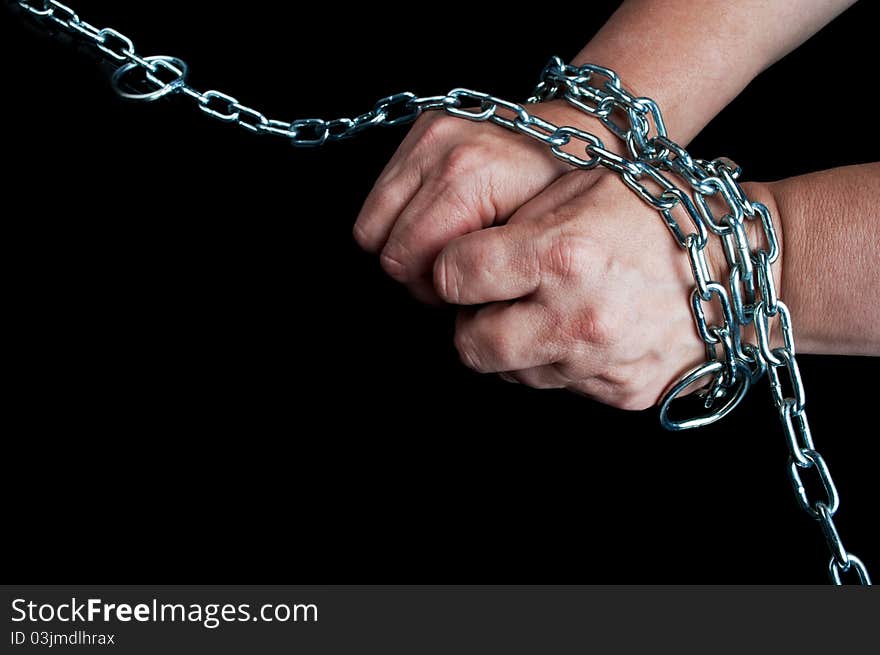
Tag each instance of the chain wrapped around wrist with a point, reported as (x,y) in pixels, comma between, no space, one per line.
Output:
(659,171)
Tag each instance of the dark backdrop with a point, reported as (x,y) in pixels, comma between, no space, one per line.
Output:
(208,382)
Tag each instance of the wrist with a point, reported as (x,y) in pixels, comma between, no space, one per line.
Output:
(637,43)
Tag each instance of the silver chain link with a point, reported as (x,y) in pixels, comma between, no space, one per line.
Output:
(749,298)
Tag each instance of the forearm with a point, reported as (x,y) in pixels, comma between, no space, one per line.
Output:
(693,58)
(830,277)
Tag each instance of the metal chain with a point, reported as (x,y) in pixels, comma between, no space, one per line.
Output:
(748,298)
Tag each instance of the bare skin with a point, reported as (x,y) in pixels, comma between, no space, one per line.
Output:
(579,283)
(832,258)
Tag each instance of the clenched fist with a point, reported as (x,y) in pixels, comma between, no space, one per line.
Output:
(586,289)
(449,177)
(566,278)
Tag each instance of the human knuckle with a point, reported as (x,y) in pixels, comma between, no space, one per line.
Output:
(460,263)
(498,347)
(447,277)
(639,394)
(376,210)
(387,193)
(632,402)
(607,185)
(637,381)
(596,325)
(361,235)
(437,129)
(567,368)
(395,263)
(485,349)
(566,255)
(467,349)
(540,382)
(559,258)
(631,387)
(463,159)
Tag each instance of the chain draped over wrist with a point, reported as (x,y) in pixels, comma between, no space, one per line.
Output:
(746,297)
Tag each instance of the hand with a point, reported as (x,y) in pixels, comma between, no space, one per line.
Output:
(587,290)
(450,177)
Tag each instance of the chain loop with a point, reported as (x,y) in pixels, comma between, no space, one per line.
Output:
(856,565)
(838,553)
(229,115)
(797,430)
(817,462)
(150,68)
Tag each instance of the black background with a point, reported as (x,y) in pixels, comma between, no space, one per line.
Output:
(209,382)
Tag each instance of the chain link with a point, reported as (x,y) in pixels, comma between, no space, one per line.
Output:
(750,296)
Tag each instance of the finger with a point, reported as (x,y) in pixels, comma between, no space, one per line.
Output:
(398,183)
(422,289)
(609,394)
(389,196)
(540,377)
(498,263)
(506,337)
(593,387)
(474,185)
(560,193)
(440,211)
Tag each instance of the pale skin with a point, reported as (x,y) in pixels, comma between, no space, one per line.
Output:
(564,277)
